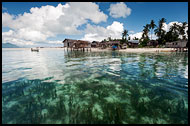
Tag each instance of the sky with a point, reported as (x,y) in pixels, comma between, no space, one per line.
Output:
(33,24)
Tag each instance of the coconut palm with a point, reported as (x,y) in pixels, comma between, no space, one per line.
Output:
(146,30)
(163,20)
(175,29)
(125,34)
(159,30)
(152,26)
(181,29)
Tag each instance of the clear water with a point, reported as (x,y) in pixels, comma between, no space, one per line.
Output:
(54,86)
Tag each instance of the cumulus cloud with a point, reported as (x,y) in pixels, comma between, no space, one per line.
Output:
(137,35)
(119,10)
(7,19)
(49,21)
(98,33)
(11,37)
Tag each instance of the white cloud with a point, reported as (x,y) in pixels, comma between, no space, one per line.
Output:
(7,19)
(55,42)
(137,35)
(12,37)
(131,32)
(98,33)
(119,10)
(9,33)
(75,15)
(49,21)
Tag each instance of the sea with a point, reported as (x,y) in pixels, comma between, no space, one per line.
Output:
(55,86)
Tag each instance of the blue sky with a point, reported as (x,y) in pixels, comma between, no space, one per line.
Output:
(134,15)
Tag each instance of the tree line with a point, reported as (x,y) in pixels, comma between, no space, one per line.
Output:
(163,36)
(173,34)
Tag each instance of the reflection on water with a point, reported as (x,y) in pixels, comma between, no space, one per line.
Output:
(53,86)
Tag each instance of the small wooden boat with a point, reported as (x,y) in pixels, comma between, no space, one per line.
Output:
(33,49)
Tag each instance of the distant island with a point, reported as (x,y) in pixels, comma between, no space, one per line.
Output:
(9,45)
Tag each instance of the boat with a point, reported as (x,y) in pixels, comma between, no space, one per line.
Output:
(35,49)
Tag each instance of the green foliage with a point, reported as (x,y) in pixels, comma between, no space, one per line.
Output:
(170,37)
(122,41)
(159,30)
(145,31)
(152,26)
(144,42)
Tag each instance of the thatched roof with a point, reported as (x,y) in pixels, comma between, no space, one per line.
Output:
(95,42)
(69,40)
(82,41)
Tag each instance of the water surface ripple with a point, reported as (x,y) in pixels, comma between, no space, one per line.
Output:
(55,86)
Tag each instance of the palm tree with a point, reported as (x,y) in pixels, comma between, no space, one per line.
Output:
(181,29)
(152,26)
(163,20)
(146,30)
(159,31)
(125,34)
(175,29)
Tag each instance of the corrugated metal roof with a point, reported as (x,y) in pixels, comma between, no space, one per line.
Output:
(134,41)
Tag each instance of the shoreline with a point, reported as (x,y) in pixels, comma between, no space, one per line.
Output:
(101,50)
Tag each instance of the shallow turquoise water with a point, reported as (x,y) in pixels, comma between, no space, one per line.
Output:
(55,86)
